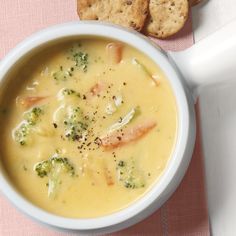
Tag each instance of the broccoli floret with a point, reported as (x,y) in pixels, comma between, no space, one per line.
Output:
(44,168)
(21,133)
(70,92)
(129,175)
(67,93)
(79,56)
(62,74)
(75,124)
(24,129)
(33,115)
(81,60)
(53,168)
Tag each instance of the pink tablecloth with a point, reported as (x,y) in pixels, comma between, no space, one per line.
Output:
(185,213)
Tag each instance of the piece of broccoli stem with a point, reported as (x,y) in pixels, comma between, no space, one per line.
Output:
(54,168)
(144,69)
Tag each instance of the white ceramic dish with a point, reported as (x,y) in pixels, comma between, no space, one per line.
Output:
(202,64)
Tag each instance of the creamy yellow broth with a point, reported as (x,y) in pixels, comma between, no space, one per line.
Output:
(81,87)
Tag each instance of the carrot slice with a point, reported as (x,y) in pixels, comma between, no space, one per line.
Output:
(114,52)
(118,138)
(96,89)
(28,102)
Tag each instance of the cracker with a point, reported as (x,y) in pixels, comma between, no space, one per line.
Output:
(166,17)
(128,13)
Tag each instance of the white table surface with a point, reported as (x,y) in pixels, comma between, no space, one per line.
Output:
(218,123)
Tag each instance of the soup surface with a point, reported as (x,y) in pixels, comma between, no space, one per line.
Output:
(87,128)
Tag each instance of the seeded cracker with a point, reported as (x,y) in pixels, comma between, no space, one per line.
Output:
(128,13)
(166,17)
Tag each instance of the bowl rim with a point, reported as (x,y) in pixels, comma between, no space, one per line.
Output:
(181,155)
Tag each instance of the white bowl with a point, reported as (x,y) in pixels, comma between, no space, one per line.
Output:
(182,153)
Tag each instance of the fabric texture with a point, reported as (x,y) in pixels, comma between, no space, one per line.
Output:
(185,213)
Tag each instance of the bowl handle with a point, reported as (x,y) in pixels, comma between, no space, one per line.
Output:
(211,60)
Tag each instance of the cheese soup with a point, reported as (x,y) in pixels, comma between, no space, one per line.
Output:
(87,127)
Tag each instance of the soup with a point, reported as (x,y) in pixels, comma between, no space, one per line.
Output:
(88,127)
